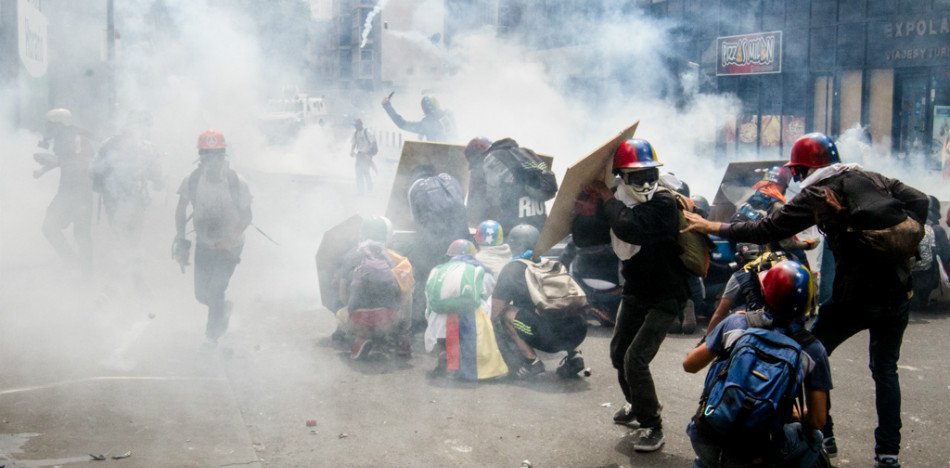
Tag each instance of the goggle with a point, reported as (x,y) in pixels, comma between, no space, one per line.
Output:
(798,172)
(650,176)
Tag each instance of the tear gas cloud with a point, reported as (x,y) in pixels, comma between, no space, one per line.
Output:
(201,64)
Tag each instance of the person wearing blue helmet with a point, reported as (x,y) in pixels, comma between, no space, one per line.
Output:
(643,227)
(872,285)
(437,124)
(493,252)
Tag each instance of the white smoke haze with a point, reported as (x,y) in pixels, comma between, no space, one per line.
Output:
(368,24)
(201,65)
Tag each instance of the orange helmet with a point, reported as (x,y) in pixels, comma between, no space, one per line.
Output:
(211,139)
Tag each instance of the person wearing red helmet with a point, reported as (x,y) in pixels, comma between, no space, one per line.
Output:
(221,211)
(787,293)
(871,288)
(643,227)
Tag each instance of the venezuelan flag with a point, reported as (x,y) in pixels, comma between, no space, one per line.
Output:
(470,346)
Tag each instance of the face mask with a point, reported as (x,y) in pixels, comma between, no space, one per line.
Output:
(213,166)
(640,185)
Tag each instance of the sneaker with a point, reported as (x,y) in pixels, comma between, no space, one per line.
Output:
(360,348)
(530,369)
(648,439)
(831,448)
(886,461)
(570,365)
(625,415)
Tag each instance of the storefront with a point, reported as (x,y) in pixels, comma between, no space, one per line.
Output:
(880,66)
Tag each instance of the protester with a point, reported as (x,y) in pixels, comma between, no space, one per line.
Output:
(437,124)
(934,253)
(742,290)
(643,223)
(363,147)
(550,332)
(517,183)
(221,211)
(72,205)
(796,442)
(477,201)
(375,284)
(872,284)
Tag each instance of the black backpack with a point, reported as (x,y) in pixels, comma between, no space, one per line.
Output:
(507,163)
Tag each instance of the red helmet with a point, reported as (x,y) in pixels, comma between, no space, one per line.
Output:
(211,139)
(787,288)
(476,146)
(635,153)
(813,150)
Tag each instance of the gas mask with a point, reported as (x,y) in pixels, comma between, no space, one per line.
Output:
(641,184)
(213,165)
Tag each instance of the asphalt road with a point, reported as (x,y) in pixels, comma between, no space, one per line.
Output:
(94,364)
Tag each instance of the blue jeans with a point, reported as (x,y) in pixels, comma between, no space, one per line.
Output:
(801,450)
(639,332)
(213,270)
(886,323)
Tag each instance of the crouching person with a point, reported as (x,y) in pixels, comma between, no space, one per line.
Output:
(376,286)
(751,412)
(540,307)
(458,316)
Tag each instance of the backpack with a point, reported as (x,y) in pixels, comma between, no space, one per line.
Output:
(374,284)
(432,200)
(696,246)
(552,289)
(507,163)
(925,250)
(748,396)
(455,287)
(234,186)
(871,210)
(373,148)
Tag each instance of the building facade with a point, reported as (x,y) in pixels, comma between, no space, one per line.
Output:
(825,65)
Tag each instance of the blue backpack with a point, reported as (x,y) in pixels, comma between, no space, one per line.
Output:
(748,396)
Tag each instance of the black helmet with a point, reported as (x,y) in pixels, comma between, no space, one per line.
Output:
(702,205)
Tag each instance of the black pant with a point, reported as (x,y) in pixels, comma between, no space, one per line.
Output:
(886,323)
(640,330)
(213,270)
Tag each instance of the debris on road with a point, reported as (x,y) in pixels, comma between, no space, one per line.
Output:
(605,405)
(587,372)
(124,455)
(526,464)
(311,422)
(343,435)
(99,457)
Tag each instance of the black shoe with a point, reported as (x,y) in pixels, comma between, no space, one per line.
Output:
(648,439)
(830,446)
(625,415)
(886,461)
(570,365)
(530,369)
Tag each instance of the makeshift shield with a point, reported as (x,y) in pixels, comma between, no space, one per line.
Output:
(595,165)
(335,243)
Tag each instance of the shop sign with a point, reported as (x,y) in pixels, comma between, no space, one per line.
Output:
(31,27)
(749,54)
(910,41)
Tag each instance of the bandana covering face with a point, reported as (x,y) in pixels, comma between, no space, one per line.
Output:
(625,250)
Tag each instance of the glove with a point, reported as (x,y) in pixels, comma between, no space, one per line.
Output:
(181,251)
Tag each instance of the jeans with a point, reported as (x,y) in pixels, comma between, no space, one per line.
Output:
(801,450)
(213,270)
(640,330)
(886,323)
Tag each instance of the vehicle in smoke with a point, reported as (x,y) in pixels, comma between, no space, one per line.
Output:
(286,117)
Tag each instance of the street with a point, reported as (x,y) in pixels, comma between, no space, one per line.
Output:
(98,366)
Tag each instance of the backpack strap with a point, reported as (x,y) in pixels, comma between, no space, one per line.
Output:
(234,186)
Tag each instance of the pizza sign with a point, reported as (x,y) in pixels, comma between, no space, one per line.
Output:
(749,54)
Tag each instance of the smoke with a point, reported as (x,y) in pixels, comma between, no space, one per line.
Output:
(368,24)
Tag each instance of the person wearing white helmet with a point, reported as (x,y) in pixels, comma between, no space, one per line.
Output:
(72,204)
(221,212)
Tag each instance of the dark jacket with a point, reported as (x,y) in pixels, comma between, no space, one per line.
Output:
(861,273)
(432,127)
(655,272)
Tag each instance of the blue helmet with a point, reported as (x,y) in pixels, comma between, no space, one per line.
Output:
(489,232)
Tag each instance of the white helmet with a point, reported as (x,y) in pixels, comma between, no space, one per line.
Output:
(60,115)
